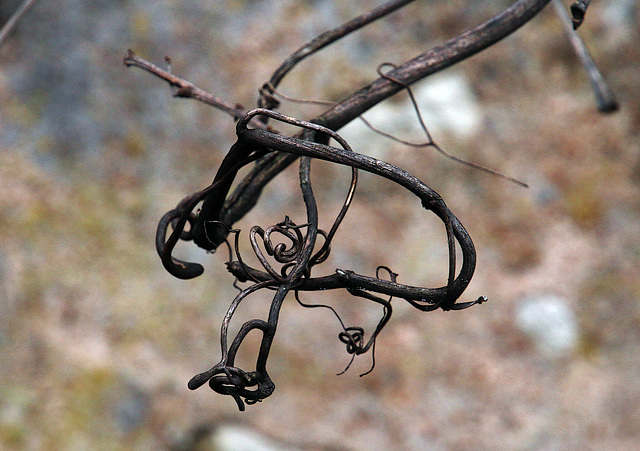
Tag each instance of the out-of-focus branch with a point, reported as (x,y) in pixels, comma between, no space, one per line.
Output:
(578,10)
(605,99)
(14,19)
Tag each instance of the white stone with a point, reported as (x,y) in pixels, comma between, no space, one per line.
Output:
(549,322)
(238,438)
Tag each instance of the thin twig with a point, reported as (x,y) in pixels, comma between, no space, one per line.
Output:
(183,87)
(605,99)
(430,142)
(14,19)
(327,38)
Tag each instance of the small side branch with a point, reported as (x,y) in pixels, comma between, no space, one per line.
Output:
(183,88)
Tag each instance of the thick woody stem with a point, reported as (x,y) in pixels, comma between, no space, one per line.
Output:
(434,60)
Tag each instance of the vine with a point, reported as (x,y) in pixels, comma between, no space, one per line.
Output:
(288,252)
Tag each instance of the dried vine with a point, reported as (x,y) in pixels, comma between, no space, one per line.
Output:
(288,252)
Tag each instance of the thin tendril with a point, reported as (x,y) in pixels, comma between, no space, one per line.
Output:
(429,143)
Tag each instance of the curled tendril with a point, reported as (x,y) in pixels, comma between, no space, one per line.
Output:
(353,337)
(280,252)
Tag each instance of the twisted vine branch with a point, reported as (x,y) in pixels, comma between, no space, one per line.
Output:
(288,252)
(299,258)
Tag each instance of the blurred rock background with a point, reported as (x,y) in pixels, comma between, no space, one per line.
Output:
(97,341)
